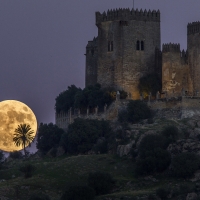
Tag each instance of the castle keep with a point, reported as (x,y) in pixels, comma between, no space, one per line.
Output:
(128,46)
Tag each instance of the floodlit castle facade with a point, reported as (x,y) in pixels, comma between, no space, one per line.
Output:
(128,46)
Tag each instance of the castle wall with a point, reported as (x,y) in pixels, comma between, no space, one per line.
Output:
(122,67)
(175,70)
(91,62)
(193,42)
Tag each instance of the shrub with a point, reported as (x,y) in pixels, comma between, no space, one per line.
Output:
(83,134)
(28,170)
(101,182)
(78,192)
(151,142)
(101,147)
(15,155)
(162,192)
(137,110)
(123,116)
(48,137)
(39,196)
(66,99)
(153,156)
(185,164)
(171,133)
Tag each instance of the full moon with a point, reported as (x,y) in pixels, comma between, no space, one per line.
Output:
(12,114)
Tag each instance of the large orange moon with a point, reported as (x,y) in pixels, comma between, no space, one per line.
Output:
(12,114)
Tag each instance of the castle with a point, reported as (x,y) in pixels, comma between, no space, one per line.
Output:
(128,46)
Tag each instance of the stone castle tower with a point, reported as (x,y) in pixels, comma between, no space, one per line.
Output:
(128,47)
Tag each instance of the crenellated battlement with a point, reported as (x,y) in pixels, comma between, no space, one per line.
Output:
(193,27)
(171,47)
(127,14)
(93,43)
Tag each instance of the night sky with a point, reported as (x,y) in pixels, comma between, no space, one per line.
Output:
(42,44)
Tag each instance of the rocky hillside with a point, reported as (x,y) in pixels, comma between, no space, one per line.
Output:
(52,175)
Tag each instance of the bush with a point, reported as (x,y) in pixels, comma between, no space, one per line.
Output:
(101,147)
(171,133)
(153,156)
(65,100)
(39,196)
(185,164)
(137,110)
(151,142)
(48,137)
(162,192)
(83,134)
(78,192)
(123,116)
(28,170)
(101,182)
(15,155)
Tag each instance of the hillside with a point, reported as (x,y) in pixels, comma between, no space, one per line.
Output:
(53,175)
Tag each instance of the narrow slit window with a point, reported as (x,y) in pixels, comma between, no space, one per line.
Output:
(142,45)
(108,45)
(138,45)
(111,45)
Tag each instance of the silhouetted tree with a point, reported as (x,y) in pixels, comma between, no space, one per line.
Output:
(23,136)
(48,137)
(66,99)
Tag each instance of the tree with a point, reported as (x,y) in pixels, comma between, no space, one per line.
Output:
(149,83)
(48,137)
(23,136)
(153,156)
(137,110)
(83,134)
(66,99)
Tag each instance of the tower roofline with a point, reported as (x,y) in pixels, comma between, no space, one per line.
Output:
(193,27)
(127,14)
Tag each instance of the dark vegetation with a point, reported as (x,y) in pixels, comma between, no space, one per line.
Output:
(79,192)
(77,175)
(101,182)
(150,83)
(82,135)
(90,97)
(49,136)
(39,196)
(136,111)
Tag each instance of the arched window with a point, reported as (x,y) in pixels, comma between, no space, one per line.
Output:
(142,45)
(138,45)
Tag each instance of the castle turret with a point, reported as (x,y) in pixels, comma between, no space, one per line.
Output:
(91,62)
(193,42)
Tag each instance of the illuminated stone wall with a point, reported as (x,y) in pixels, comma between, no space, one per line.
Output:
(120,63)
(175,70)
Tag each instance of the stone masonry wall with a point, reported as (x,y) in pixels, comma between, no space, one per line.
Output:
(175,70)
(193,42)
(122,67)
(91,62)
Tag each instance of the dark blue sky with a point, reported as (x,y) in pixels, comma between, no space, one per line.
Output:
(42,43)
